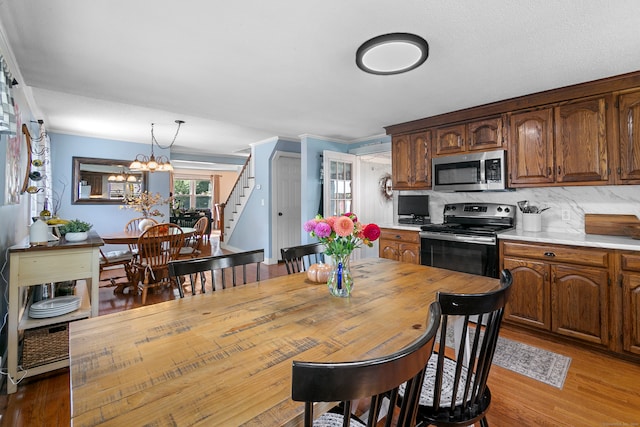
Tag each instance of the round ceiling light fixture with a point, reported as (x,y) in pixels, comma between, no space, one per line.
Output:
(393,53)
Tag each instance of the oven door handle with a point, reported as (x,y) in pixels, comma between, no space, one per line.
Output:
(482,240)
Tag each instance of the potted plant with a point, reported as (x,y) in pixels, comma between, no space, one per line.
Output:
(75,230)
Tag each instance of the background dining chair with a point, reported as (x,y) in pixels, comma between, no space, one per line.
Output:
(299,258)
(193,245)
(180,268)
(133,226)
(455,388)
(118,259)
(156,247)
(376,379)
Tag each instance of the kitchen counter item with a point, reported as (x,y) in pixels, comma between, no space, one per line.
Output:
(531,222)
(633,231)
(609,224)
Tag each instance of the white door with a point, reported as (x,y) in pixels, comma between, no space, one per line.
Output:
(340,172)
(286,212)
(340,185)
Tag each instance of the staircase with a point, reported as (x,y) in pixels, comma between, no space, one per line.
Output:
(231,210)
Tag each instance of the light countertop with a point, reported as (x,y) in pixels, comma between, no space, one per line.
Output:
(574,239)
(408,227)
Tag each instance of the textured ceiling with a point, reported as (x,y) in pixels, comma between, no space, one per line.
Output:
(240,72)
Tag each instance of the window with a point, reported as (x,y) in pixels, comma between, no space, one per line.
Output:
(192,193)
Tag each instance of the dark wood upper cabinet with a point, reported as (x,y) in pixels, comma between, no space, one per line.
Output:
(584,134)
(531,147)
(411,161)
(559,145)
(581,142)
(483,134)
(629,130)
(451,139)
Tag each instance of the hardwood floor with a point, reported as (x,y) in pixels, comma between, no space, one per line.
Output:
(599,390)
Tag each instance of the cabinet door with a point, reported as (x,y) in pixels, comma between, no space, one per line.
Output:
(485,134)
(579,301)
(409,252)
(531,149)
(450,139)
(529,299)
(401,162)
(631,312)
(629,136)
(388,249)
(581,142)
(421,145)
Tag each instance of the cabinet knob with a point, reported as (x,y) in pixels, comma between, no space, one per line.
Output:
(549,254)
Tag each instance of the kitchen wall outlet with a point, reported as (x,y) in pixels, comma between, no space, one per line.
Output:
(566,215)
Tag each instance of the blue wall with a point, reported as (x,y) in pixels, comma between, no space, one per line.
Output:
(253,230)
(105,218)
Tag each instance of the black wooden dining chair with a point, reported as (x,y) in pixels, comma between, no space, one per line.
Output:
(455,391)
(198,266)
(376,379)
(299,258)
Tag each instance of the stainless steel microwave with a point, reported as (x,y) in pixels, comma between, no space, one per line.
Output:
(484,171)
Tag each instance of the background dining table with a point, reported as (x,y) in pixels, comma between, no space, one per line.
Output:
(224,358)
(130,237)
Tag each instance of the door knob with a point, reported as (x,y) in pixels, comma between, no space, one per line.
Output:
(279,213)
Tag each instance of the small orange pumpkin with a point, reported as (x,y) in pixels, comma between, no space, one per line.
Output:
(319,273)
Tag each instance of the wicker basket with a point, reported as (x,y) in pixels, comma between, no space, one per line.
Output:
(45,345)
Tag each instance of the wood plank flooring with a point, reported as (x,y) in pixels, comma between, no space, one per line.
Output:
(599,390)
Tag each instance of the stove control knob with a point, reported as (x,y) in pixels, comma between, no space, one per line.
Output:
(500,209)
(507,210)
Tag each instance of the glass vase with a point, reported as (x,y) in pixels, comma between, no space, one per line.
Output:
(340,281)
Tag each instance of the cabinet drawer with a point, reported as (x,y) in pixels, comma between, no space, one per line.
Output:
(400,235)
(565,254)
(630,261)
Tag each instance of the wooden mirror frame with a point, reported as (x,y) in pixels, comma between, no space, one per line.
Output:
(79,161)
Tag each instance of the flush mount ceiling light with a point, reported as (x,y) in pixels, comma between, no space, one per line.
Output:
(393,53)
(151,163)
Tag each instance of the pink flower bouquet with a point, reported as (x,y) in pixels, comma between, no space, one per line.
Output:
(342,234)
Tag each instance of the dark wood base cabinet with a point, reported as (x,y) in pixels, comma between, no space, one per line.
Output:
(399,245)
(630,301)
(591,295)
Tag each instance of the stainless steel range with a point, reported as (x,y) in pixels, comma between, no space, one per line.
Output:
(466,240)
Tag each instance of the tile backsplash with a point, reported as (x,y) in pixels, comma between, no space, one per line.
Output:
(574,202)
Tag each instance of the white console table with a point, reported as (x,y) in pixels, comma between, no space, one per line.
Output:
(34,265)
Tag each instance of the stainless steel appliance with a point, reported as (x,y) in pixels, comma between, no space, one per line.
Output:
(466,240)
(470,172)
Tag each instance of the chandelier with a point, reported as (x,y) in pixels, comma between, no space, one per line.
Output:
(122,177)
(153,163)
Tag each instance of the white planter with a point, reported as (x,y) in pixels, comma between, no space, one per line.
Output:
(76,237)
(145,223)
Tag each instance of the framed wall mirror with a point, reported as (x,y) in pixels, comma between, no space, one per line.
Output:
(105,181)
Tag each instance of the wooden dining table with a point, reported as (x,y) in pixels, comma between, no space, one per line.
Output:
(224,358)
(130,237)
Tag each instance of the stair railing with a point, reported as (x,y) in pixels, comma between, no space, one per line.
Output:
(231,206)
